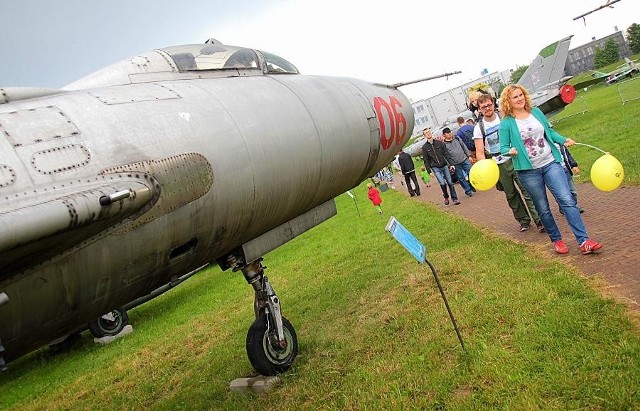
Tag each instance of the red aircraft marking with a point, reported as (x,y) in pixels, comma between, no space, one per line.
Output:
(396,121)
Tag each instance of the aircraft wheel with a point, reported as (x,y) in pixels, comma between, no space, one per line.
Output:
(109,324)
(266,356)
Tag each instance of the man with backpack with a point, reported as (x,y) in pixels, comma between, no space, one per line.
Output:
(458,156)
(465,133)
(487,144)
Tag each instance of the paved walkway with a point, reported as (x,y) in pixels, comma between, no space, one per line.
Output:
(609,218)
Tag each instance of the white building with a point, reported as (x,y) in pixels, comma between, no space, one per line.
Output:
(437,111)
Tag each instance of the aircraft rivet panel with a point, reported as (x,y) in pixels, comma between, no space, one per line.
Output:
(182,179)
(134,94)
(37,125)
(7,175)
(141,62)
(60,159)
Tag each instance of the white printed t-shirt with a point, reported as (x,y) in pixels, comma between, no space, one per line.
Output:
(491,143)
(532,134)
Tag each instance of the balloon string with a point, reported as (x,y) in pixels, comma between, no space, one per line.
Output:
(589,145)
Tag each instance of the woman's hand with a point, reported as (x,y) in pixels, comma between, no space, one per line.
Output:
(568,142)
(513,152)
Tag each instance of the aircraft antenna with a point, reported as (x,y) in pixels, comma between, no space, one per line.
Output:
(396,85)
(607,4)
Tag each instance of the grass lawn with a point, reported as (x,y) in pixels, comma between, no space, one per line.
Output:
(373,331)
(607,124)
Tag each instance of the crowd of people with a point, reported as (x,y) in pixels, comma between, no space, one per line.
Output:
(531,156)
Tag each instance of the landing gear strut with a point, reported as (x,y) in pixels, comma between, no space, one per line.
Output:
(272,343)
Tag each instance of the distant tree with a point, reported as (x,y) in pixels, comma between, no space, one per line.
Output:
(610,53)
(500,85)
(517,73)
(633,37)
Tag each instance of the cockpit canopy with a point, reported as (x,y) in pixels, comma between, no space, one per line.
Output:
(199,57)
(209,60)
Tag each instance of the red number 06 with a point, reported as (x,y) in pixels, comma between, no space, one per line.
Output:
(394,118)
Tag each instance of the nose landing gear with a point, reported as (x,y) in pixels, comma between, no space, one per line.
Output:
(272,343)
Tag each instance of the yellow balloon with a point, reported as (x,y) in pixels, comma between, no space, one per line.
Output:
(484,174)
(607,173)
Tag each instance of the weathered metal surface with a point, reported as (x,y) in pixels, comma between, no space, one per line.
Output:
(215,163)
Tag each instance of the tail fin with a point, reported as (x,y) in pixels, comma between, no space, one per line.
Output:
(547,67)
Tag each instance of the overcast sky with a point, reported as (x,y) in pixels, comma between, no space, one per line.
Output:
(50,43)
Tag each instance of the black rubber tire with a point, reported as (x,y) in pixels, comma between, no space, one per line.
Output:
(265,358)
(102,327)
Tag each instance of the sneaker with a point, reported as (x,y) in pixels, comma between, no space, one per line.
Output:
(524,227)
(446,201)
(456,202)
(561,247)
(590,246)
(469,194)
(540,227)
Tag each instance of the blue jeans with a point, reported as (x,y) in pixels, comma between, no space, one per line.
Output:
(462,171)
(552,176)
(572,187)
(444,179)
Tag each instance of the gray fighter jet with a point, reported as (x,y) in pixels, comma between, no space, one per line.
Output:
(130,180)
(546,81)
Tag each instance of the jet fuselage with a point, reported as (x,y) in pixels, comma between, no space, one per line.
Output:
(205,162)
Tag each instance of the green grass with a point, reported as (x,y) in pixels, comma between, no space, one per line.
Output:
(607,124)
(373,331)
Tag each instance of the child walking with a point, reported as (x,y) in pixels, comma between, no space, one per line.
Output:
(570,168)
(374,196)
(424,175)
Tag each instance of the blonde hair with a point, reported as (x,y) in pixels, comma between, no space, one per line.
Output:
(505,101)
(473,96)
(369,185)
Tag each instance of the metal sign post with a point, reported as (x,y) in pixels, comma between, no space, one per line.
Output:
(419,251)
(354,201)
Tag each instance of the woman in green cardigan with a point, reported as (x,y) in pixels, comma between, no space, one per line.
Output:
(527,136)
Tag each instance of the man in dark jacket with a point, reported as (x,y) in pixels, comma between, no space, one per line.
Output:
(409,171)
(434,156)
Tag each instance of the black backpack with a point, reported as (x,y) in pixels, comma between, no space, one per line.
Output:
(467,139)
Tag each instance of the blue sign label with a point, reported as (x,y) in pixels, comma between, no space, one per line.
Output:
(408,241)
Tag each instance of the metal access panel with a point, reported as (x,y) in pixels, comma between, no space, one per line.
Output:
(36,125)
(274,238)
(134,93)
